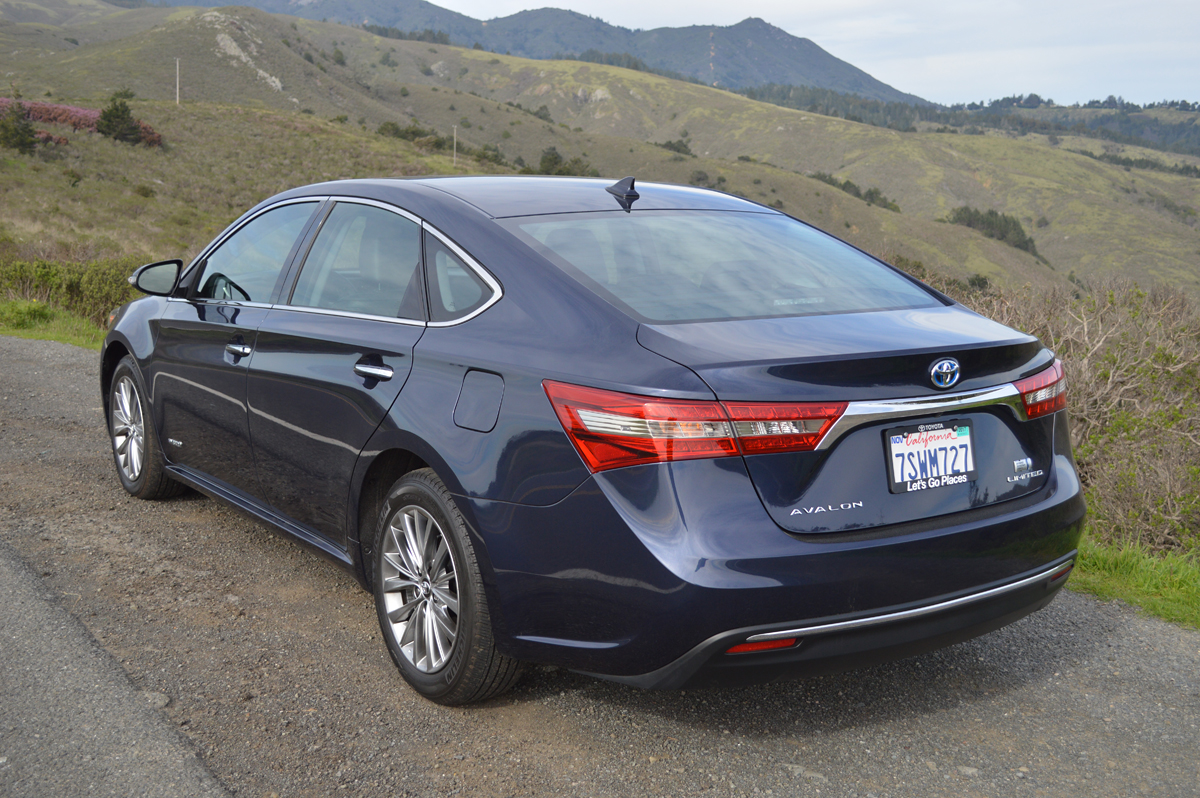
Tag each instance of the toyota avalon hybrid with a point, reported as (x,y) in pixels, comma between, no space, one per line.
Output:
(657,434)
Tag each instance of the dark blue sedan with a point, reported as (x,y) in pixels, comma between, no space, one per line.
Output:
(653,433)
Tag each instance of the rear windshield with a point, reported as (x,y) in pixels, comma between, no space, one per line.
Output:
(671,266)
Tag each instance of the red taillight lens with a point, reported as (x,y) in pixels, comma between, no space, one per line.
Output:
(613,430)
(768,428)
(1044,392)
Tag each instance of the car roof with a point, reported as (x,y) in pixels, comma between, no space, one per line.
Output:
(500,196)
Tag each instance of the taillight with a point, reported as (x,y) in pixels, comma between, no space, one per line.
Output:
(1044,392)
(613,430)
(767,428)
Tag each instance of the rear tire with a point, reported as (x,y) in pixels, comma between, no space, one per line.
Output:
(138,457)
(430,599)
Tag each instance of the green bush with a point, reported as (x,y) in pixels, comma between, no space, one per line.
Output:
(16,131)
(89,290)
(993,224)
(117,122)
(24,314)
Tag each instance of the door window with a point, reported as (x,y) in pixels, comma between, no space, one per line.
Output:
(365,260)
(246,266)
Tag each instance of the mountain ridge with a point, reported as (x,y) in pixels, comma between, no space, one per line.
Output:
(750,53)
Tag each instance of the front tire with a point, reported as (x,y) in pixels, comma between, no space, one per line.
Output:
(136,452)
(430,599)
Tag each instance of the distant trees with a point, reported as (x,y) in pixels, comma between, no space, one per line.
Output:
(999,226)
(679,145)
(1123,124)
(427,35)
(553,163)
(871,196)
(623,60)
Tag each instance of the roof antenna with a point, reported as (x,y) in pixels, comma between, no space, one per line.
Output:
(624,192)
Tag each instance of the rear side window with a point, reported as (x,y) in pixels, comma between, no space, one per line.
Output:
(455,290)
(246,266)
(365,260)
(675,266)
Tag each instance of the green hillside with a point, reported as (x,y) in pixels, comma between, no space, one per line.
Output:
(750,53)
(1087,217)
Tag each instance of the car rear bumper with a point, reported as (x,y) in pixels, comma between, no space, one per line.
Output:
(648,574)
(829,645)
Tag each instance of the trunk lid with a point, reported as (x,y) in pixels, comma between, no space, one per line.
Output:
(879,362)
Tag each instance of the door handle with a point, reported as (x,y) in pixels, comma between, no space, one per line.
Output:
(370,372)
(238,350)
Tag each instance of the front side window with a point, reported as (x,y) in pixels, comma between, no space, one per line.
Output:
(246,266)
(364,260)
(677,266)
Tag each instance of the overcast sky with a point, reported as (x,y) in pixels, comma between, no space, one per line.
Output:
(957,52)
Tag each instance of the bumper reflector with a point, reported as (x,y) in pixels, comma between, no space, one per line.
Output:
(762,645)
(1062,571)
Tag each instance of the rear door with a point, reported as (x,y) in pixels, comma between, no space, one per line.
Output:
(205,342)
(332,356)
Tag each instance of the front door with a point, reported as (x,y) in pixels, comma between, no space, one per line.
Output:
(205,343)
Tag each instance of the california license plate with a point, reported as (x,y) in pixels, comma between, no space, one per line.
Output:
(936,454)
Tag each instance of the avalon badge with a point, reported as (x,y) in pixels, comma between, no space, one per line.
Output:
(945,373)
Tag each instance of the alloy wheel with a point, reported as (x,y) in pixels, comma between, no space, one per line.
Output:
(129,429)
(420,588)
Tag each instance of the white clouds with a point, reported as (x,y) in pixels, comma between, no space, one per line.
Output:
(951,52)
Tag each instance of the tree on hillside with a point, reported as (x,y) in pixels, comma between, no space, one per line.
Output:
(552,163)
(117,122)
(16,132)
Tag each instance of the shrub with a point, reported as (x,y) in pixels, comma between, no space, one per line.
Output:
(679,145)
(1133,366)
(16,131)
(90,289)
(79,119)
(24,313)
(116,122)
(552,163)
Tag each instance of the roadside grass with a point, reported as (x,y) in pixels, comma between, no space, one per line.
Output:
(26,318)
(1164,584)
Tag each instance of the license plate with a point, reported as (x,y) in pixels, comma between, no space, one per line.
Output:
(937,454)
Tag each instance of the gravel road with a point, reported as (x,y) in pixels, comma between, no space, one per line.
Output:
(274,671)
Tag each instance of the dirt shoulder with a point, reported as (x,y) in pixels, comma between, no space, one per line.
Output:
(271,659)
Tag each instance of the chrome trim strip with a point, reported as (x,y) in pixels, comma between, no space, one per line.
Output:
(473,265)
(861,413)
(220,302)
(349,315)
(381,205)
(238,224)
(875,620)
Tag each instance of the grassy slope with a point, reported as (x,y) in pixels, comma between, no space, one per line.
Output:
(209,143)
(1102,219)
(220,160)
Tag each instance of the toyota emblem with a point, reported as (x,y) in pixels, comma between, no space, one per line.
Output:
(945,373)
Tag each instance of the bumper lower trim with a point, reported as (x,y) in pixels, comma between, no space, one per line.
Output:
(916,612)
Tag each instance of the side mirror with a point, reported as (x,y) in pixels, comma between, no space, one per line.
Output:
(157,279)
